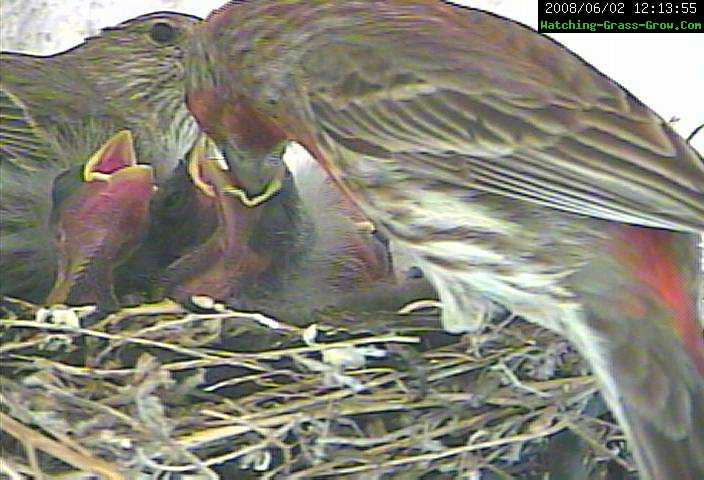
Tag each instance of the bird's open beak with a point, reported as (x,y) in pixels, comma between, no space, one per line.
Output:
(270,190)
(205,156)
(117,153)
(197,159)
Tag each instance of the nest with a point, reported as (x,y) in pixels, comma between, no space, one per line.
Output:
(155,392)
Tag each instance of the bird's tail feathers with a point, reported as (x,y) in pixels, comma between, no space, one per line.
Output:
(639,329)
(661,456)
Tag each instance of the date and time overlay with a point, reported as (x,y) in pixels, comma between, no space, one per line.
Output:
(565,16)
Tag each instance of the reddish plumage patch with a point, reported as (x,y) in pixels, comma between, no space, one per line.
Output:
(650,253)
(223,115)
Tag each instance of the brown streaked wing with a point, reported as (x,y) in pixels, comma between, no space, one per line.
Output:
(583,145)
(22,141)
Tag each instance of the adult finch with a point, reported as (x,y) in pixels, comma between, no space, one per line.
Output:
(509,168)
(129,77)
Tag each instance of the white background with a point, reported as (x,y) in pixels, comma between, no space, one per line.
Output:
(664,70)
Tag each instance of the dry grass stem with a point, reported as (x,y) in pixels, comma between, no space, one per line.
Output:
(156,392)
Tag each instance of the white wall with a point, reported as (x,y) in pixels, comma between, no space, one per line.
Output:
(661,69)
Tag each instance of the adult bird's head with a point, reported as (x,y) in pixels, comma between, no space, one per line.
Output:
(128,77)
(244,129)
(99,215)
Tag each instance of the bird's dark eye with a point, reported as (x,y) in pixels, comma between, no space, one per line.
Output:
(162,32)
(414,272)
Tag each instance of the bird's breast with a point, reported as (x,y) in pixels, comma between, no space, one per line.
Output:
(503,246)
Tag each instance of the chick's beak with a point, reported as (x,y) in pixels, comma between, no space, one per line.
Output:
(116,154)
(209,170)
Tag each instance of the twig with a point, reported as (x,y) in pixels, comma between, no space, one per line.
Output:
(58,450)
(106,336)
(428,457)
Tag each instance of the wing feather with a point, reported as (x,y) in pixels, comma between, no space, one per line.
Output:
(22,141)
(599,153)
